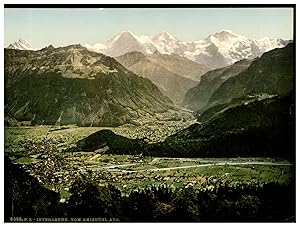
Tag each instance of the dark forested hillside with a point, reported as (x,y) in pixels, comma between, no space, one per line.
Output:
(25,197)
(258,128)
(272,74)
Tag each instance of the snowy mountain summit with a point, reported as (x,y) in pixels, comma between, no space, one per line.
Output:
(218,50)
(21,44)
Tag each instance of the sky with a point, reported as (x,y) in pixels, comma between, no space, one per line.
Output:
(61,27)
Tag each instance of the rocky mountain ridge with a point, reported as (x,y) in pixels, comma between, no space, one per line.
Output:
(72,85)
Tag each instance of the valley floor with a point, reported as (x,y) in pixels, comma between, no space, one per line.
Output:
(41,152)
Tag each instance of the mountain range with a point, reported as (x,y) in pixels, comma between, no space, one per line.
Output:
(218,50)
(174,75)
(251,113)
(72,85)
(215,51)
(271,74)
(84,87)
(254,115)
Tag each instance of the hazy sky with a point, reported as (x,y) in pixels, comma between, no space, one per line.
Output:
(60,27)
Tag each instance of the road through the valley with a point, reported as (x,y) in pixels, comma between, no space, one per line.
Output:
(116,168)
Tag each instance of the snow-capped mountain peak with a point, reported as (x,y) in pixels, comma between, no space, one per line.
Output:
(21,44)
(164,35)
(25,42)
(225,36)
(218,50)
(228,33)
(124,35)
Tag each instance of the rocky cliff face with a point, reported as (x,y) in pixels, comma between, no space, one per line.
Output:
(71,85)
